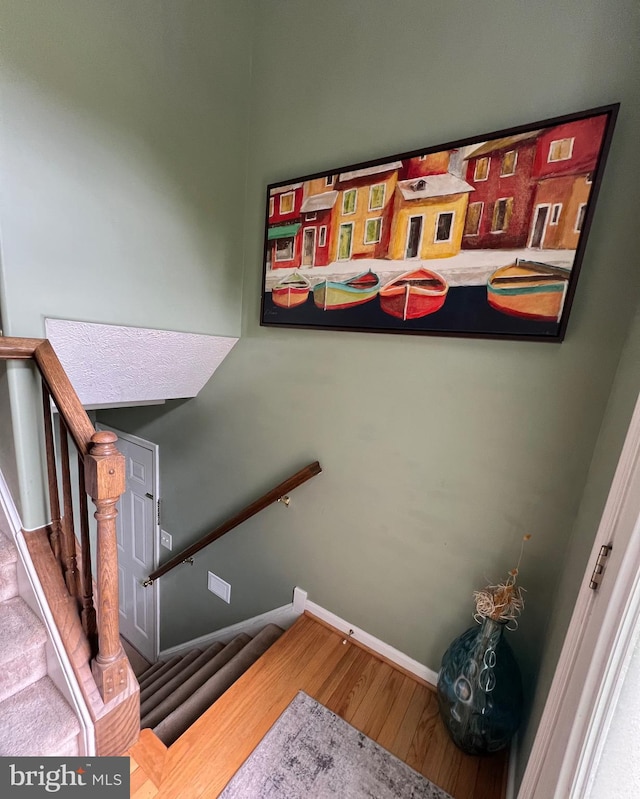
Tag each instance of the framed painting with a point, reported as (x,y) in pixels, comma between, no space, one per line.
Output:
(482,236)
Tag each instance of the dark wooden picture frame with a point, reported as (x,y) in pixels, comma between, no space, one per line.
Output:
(479,237)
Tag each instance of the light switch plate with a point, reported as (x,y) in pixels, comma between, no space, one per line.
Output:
(218,586)
(166,540)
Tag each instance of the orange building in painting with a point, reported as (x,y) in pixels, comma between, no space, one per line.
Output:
(422,165)
(363,211)
(559,209)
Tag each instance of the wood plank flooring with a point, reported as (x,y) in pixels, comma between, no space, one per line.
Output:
(391,707)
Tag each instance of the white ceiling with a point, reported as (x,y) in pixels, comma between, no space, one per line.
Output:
(111,365)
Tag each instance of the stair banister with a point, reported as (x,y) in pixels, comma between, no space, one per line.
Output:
(278,493)
(102,476)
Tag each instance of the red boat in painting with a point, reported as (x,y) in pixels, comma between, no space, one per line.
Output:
(414,294)
(291,291)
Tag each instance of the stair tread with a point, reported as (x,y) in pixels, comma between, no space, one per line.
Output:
(180,668)
(180,719)
(165,666)
(153,698)
(20,629)
(8,551)
(153,668)
(36,721)
(189,686)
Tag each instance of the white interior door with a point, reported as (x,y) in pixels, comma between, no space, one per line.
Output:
(597,647)
(137,526)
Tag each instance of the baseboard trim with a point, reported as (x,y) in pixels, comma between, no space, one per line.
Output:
(286,615)
(369,641)
(283,616)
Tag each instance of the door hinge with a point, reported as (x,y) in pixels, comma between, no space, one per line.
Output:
(601,561)
(158,511)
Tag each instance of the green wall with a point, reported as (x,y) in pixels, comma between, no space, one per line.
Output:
(124,133)
(8,465)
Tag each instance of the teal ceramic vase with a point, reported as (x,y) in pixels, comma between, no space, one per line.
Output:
(480,689)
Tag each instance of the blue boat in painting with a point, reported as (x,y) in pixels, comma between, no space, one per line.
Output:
(330,295)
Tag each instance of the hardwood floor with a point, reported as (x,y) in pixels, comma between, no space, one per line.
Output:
(394,708)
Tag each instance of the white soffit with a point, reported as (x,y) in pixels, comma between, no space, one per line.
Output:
(114,365)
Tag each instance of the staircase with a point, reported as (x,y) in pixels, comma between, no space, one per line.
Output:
(175,692)
(83,607)
(35,719)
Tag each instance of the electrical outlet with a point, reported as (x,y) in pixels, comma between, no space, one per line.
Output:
(166,540)
(218,587)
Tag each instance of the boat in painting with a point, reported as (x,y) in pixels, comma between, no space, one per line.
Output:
(414,294)
(330,295)
(291,291)
(529,289)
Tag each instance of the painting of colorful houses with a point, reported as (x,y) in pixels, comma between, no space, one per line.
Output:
(479,237)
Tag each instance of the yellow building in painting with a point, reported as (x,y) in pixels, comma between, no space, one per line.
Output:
(363,212)
(429,216)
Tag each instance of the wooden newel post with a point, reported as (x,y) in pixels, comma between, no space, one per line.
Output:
(105,482)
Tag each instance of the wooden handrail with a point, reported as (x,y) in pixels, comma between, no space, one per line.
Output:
(58,384)
(65,397)
(18,348)
(255,507)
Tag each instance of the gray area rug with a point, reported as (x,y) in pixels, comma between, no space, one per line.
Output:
(310,753)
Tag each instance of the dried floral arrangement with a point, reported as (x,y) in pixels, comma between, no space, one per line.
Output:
(502,602)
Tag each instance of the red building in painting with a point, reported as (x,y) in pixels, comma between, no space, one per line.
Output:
(501,173)
(317,212)
(566,156)
(532,190)
(283,228)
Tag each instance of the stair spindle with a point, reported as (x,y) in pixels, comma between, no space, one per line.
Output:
(88,613)
(70,566)
(52,476)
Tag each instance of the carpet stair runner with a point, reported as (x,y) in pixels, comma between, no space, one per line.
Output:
(176,692)
(35,719)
